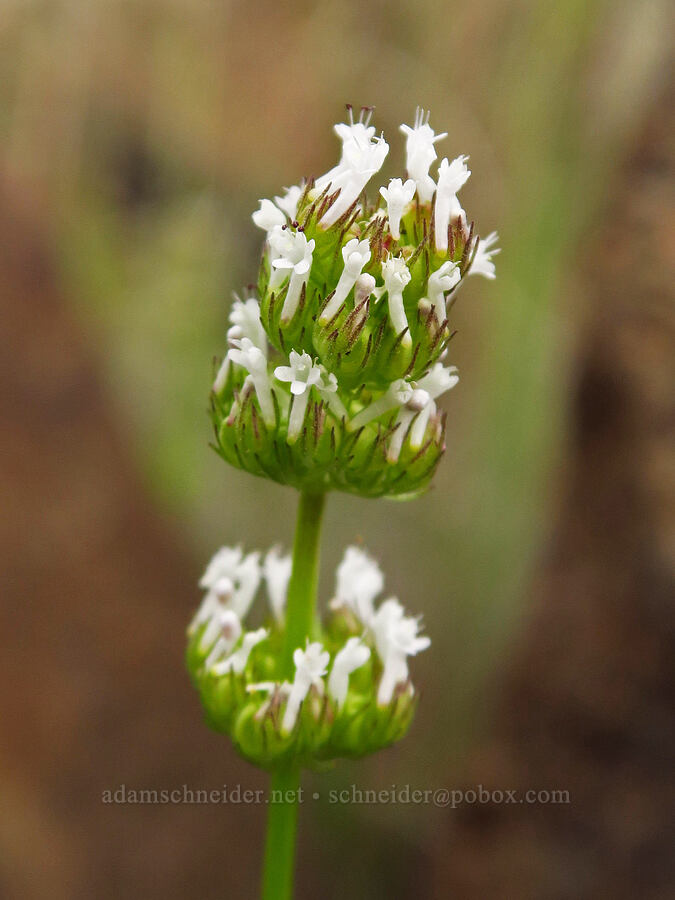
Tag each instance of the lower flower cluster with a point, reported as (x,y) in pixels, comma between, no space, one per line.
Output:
(350,693)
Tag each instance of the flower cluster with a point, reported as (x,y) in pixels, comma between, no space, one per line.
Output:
(334,367)
(350,693)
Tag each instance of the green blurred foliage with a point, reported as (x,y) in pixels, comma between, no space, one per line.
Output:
(151,128)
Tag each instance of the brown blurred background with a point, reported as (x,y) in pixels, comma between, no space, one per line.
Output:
(137,136)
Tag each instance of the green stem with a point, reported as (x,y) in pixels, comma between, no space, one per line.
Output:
(300,615)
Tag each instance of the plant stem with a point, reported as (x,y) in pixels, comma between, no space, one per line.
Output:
(300,614)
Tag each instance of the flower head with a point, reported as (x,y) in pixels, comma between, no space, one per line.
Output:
(358,414)
(334,704)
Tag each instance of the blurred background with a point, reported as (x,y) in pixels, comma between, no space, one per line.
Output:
(136,139)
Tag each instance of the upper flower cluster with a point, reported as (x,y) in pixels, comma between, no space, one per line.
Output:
(343,346)
(350,693)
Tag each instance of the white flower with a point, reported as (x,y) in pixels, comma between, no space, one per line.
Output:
(221,634)
(277,572)
(397,196)
(398,393)
(419,409)
(292,254)
(310,667)
(396,638)
(364,287)
(302,375)
(356,255)
(231,581)
(268,216)
(440,282)
(244,353)
(451,177)
(327,387)
(420,153)
(236,662)
(245,319)
(289,202)
(396,276)
(482,263)
(439,380)
(362,156)
(246,323)
(352,656)
(359,580)
(222,563)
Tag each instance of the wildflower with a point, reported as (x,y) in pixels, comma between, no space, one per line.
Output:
(277,572)
(482,262)
(362,156)
(221,634)
(441,281)
(245,319)
(246,323)
(397,196)
(420,153)
(236,662)
(359,581)
(396,276)
(310,666)
(295,257)
(289,202)
(242,572)
(420,407)
(327,386)
(302,374)
(451,177)
(251,358)
(355,254)
(268,216)
(363,288)
(396,638)
(398,393)
(352,656)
